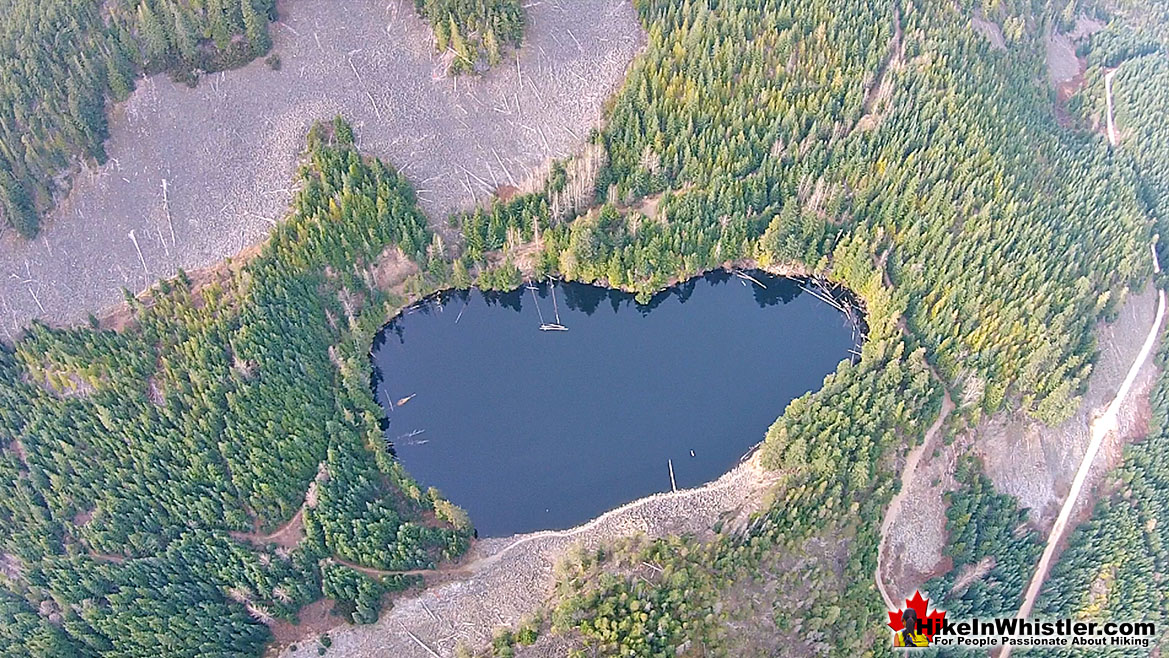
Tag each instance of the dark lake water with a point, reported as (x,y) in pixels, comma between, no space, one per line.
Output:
(530,429)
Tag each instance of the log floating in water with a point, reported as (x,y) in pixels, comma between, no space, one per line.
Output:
(553,326)
(743,275)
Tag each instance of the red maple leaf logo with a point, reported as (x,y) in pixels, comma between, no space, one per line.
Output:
(930,622)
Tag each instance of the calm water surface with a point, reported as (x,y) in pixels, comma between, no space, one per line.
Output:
(530,429)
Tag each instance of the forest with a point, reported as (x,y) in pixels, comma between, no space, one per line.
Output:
(939,184)
(62,63)
(1115,562)
(887,147)
(1114,565)
(475,33)
(988,534)
(646,598)
(139,466)
(1004,260)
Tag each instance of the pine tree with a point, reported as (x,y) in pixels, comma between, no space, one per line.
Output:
(120,87)
(153,36)
(462,60)
(217,24)
(256,29)
(17,207)
(491,45)
(185,38)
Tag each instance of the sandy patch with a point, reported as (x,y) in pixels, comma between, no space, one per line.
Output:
(1036,463)
(1062,64)
(1024,458)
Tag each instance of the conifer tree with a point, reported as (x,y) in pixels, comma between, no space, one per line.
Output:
(255,28)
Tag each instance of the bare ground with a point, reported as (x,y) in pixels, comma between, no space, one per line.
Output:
(1036,463)
(1064,69)
(881,89)
(1104,427)
(227,149)
(315,619)
(1024,458)
(990,30)
(510,577)
(1062,64)
(287,535)
(913,531)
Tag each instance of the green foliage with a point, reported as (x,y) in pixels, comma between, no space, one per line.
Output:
(1118,43)
(503,278)
(999,253)
(992,550)
(64,59)
(862,413)
(1114,565)
(472,30)
(957,202)
(1141,93)
(359,596)
(502,224)
(128,460)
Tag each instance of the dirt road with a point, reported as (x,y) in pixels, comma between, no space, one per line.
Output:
(1101,427)
(911,462)
(1108,94)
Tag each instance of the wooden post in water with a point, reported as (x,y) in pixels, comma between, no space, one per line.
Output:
(673,486)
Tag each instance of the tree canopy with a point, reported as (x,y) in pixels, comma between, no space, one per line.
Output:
(62,62)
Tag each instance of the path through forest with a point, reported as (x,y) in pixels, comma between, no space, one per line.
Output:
(1108,94)
(287,535)
(507,578)
(1105,424)
(907,474)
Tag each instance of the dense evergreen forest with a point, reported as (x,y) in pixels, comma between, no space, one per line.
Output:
(135,463)
(896,150)
(1002,258)
(473,32)
(1115,564)
(63,61)
(989,536)
(888,147)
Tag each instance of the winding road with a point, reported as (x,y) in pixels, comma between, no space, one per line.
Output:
(907,474)
(1101,427)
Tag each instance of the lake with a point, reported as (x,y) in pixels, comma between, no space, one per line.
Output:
(530,430)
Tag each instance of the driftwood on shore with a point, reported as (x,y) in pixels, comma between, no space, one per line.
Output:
(511,577)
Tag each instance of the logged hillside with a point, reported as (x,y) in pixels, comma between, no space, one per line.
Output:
(903,153)
(1003,236)
(63,62)
(888,147)
(1115,563)
(140,467)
